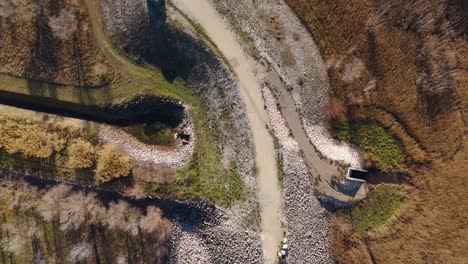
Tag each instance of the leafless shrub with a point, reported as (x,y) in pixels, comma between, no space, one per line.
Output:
(353,70)
(24,197)
(78,209)
(288,56)
(51,202)
(22,10)
(122,260)
(64,25)
(100,70)
(16,236)
(80,252)
(111,164)
(80,154)
(151,173)
(296,36)
(135,192)
(155,225)
(6,9)
(116,215)
(334,109)
(13,242)
(132,226)
(151,222)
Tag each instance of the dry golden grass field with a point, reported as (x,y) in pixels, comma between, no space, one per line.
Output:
(404,64)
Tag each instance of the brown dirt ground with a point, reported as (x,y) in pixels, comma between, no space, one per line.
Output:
(404,64)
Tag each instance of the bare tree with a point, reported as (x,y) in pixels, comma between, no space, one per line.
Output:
(64,25)
(80,252)
(78,209)
(51,201)
(25,197)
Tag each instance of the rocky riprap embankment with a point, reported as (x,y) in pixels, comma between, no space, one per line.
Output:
(215,240)
(174,158)
(307,222)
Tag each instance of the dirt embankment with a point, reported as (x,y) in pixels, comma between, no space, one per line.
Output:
(405,62)
(50,41)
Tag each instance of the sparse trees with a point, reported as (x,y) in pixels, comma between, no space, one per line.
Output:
(111,164)
(144,233)
(80,154)
(78,209)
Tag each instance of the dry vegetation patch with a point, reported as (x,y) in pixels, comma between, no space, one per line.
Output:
(413,51)
(63,151)
(405,61)
(111,164)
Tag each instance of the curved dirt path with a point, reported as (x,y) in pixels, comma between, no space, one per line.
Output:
(245,68)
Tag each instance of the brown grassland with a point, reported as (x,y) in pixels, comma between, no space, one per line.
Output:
(403,64)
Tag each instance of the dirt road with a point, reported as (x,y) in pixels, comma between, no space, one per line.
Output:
(249,79)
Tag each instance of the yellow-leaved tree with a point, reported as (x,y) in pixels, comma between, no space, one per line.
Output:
(111,164)
(81,154)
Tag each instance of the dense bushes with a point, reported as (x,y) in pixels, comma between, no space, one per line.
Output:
(379,145)
(63,151)
(28,138)
(80,154)
(111,164)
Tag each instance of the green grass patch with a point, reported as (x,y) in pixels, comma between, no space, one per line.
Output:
(376,209)
(155,133)
(379,145)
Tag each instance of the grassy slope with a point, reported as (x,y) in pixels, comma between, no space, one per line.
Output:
(205,175)
(378,207)
(377,142)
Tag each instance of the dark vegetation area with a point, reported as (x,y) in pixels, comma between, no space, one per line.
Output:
(403,65)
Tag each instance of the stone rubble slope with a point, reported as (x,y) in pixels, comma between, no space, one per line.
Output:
(156,155)
(307,221)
